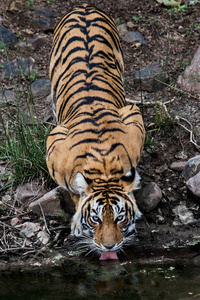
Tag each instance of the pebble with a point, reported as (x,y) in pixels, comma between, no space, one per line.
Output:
(17,68)
(45,12)
(183,215)
(41,87)
(134,37)
(14,221)
(189,81)
(7,37)
(43,237)
(32,44)
(6,198)
(147,77)
(192,167)
(178,165)
(45,24)
(122,28)
(28,229)
(193,184)
(7,96)
(149,197)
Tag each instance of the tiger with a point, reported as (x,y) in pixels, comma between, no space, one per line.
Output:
(97,143)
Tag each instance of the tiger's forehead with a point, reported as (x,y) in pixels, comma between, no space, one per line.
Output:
(109,204)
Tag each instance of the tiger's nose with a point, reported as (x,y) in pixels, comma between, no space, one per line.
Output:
(109,246)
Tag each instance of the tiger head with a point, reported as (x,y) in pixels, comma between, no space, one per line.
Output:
(106,211)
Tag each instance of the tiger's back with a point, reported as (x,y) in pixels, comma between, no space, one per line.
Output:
(86,63)
(94,150)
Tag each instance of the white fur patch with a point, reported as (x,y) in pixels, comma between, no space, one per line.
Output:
(80,183)
(137,181)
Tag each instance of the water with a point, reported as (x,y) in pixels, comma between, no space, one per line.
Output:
(107,280)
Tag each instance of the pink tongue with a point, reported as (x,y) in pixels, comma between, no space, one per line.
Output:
(108,255)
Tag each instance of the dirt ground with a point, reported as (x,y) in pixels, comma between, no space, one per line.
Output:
(172,40)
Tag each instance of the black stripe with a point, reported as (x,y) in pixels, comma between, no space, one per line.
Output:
(86,141)
(131,115)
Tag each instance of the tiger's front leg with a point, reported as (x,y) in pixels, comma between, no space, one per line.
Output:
(76,226)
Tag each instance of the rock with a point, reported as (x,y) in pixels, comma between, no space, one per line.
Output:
(192,167)
(130,24)
(178,165)
(151,78)
(45,24)
(7,96)
(17,68)
(41,87)
(43,237)
(190,80)
(45,12)
(161,169)
(150,196)
(14,221)
(7,37)
(6,198)
(50,204)
(53,202)
(28,120)
(183,215)
(28,229)
(32,44)
(134,37)
(193,184)
(27,192)
(122,29)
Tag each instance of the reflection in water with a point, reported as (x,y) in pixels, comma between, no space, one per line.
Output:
(110,280)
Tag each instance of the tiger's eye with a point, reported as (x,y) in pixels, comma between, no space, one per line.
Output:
(119,218)
(96,219)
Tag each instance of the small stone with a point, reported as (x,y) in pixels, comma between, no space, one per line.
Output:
(45,12)
(7,96)
(6,198)
(7,37)
(150,196)
(122,29)
(14,221)
(130,24)
(41,88)
(17,68)
(184,216)
(192,167)
(151,78)
(193,184)
(28,229)
(26,233)
(161,169)
(178,165)
(30,120)
(32,44)
(190,80)
(26,193)
(45,24)
(43,237)
(134,37)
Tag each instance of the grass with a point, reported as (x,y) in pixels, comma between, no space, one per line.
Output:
(24,145)
(25,150)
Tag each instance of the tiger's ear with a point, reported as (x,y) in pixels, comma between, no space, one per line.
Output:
(131,179)
(81,184)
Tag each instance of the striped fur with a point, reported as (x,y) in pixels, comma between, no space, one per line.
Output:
(94,150)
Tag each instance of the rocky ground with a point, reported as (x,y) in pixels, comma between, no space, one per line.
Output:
(162,60)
